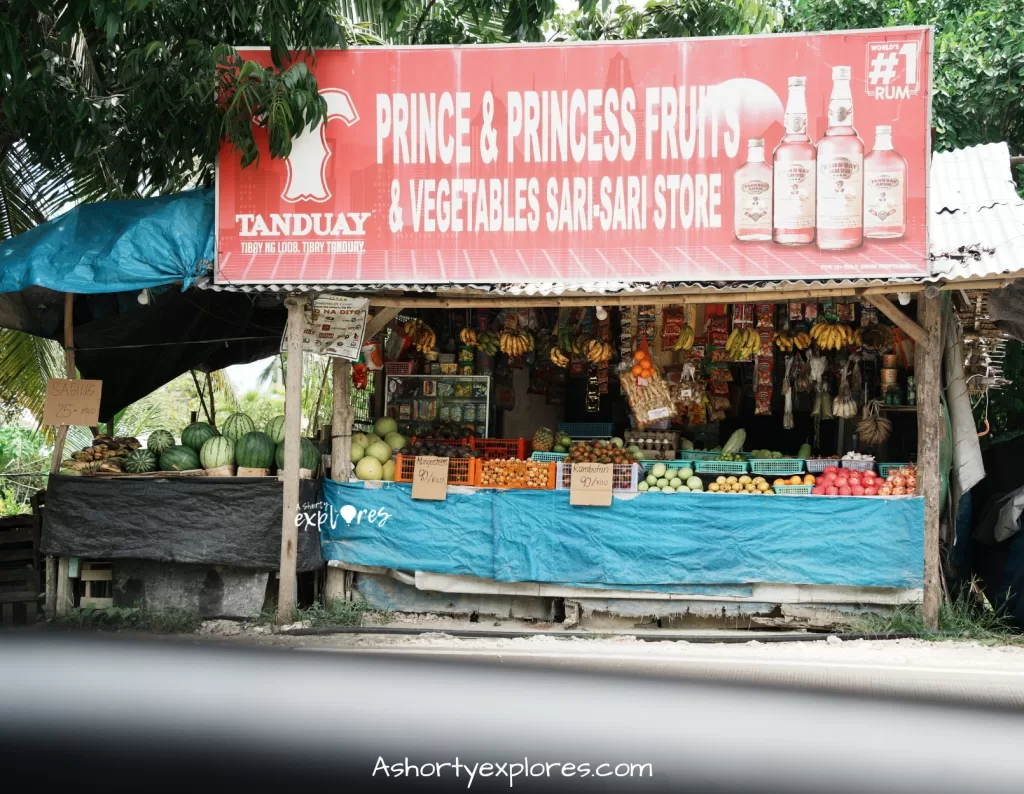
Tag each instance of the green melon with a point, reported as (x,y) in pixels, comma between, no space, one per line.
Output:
(141,461)
(255,450)
(275,429)
(179,458)
(309,456)
(197,434)
(216,452)
(159,440)
(237,425)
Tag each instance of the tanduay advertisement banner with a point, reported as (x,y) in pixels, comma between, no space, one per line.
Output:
(740,158)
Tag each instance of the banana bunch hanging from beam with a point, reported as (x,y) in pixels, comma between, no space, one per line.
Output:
(832,337)
(785,342)
(468,337)
(742,343)
(421,334)
(802,340)
(516,343)
(488,342)
(559,358)
(685,340)
(598,352)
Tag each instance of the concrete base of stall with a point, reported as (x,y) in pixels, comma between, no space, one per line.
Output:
(214,591)
(770,606)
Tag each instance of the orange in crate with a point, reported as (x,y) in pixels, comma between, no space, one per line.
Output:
(527,474)
(501,448)
(461,471)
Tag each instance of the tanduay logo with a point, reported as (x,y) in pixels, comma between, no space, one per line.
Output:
(756,187)
(307,163)
(839,168)
(884,183)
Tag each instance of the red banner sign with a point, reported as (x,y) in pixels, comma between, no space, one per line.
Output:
(749,158)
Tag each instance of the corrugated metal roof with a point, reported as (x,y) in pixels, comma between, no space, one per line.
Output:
(977,231)
(977,224)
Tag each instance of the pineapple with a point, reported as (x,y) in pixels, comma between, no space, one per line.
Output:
(543,440)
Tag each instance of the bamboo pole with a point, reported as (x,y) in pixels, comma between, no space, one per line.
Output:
(290,476)
(928,369)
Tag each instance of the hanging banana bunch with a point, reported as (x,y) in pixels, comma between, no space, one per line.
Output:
(516,343)
(832,337)
(559,358)
(468,337)
(488,342)
(598,352)
(784,342)
(802,340)
(742,343)
(421,334)
(685,340)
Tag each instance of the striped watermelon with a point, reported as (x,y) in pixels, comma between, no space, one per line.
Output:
(309,456)
(255,450)
(237,425)
(216,452)
(141,461)
(197,434)
(275,429)
(179,458)
(159,440)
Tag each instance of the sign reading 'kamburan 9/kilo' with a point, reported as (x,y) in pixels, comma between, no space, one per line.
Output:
(698,159)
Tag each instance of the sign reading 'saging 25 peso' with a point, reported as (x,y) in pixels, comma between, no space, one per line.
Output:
(698,159)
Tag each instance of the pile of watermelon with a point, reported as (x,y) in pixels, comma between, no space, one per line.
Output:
(237,443)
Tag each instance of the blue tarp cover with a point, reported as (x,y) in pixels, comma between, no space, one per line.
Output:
(114,246)
(701,540)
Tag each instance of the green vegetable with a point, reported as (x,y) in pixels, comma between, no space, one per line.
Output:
(735,442)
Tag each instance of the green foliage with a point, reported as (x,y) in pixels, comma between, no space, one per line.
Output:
(1004,407)
(171,621)
(961,619)
(978,64)
(336,613)
(24,459)
(659,19)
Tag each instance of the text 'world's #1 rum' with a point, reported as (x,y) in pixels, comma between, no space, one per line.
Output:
(794,173)
(885,189)
(753,189)
(840,172)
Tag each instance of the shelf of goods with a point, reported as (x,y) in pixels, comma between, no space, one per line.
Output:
(625,476)
(460,400)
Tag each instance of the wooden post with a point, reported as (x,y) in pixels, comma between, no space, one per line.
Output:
(292,434)
(341,452)
(928,372)
(57,598)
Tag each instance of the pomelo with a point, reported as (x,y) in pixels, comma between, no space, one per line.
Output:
(380,451)
(369,469)
(385,425)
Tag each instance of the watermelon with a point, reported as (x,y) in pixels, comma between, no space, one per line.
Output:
(275,429)
(159,440)
(237,425)
(309,456)
(216,452)
(197,434)
(255,450)
(141,461)
(179,458)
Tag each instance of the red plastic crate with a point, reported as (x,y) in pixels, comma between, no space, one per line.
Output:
(550,468)
(503,448)
(461,471)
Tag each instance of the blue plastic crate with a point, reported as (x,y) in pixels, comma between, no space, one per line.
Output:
(669,464)
(547,457)
(721,467)
(793,490)
(779,466)
(586,429)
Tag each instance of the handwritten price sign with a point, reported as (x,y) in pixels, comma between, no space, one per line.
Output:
(591,485)
(430,478)
(72,402)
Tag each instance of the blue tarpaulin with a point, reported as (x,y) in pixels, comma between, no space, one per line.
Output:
(649,541)
(114,246)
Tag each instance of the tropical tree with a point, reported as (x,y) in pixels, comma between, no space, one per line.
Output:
(659,19)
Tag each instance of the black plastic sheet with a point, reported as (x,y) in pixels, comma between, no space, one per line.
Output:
(210,520)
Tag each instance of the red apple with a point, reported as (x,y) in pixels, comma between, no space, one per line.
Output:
(845,491)
(841,482)
(871,491)
(831,470)
(858,490)
(818,489)
(854,480)
(832,490)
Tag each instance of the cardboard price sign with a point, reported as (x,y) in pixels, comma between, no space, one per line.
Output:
(430,478)
(72,402)
(591,484)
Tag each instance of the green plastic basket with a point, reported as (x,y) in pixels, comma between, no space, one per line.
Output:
(547,457)
(695,454)
(721,467)
(885,468)
(669,464)
(793,490)
(777,465)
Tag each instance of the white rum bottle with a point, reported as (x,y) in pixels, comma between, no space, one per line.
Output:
(885,189)
(840,172)
(753,189)
(793,168)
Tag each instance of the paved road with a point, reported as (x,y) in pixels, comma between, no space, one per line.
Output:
(945,671)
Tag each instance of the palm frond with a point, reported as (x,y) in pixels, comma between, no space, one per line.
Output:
(26,362)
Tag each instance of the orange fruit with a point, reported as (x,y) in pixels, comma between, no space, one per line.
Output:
(778,482)
(809,479)
(795,480)
(646,373)
(640,355)
(637,369)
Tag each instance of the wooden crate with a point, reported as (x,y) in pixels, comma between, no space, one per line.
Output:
(19,569)
(97,584)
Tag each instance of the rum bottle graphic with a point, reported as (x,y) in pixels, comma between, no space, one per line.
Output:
(794,177)
(885,189)
(753,190)
(840,172)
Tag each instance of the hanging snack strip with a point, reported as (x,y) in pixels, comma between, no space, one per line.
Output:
(764,361)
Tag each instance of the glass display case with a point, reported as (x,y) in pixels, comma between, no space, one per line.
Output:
(429,404)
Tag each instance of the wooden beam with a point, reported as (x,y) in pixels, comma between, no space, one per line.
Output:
(341,452)
(292,435)
(886,307)
(377,323)
(930,429)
